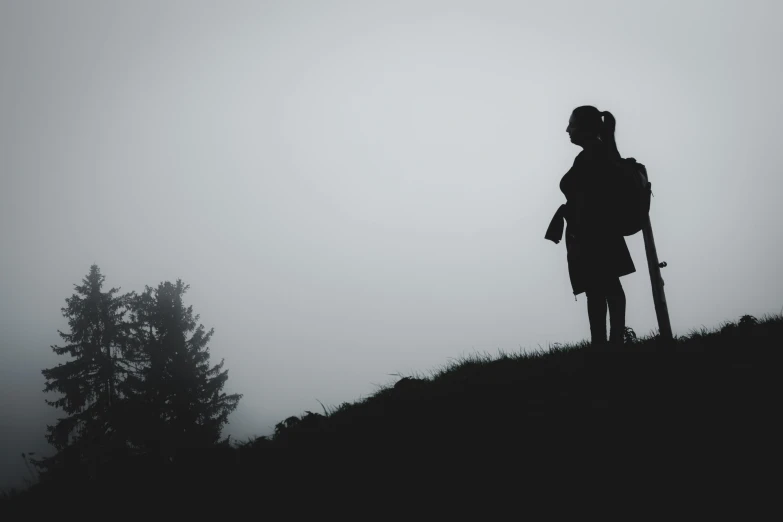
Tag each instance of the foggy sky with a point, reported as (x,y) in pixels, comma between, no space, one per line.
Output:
(359,189)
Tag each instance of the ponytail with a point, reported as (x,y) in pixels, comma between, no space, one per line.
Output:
(607,133)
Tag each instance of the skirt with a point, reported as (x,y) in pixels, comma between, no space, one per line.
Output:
(594,258)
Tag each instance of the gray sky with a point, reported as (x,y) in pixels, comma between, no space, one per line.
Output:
(356,189)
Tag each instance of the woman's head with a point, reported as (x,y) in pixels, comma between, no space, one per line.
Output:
(586,126)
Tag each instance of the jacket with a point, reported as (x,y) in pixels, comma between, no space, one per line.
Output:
(595,250)
(555,230)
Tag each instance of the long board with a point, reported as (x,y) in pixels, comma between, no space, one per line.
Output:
(659,296)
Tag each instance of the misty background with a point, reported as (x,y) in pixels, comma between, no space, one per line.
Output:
(355,189)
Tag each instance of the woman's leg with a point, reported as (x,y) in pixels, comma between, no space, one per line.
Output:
(596,313)
(616,299)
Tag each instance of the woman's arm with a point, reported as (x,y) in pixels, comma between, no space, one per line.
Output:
(575,213)
(589,195)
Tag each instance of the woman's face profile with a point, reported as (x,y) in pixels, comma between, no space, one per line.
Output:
(571,129)
(578,136)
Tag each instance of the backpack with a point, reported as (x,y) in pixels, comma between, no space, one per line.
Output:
(632,196)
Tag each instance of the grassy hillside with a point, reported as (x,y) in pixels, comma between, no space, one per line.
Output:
(709,394)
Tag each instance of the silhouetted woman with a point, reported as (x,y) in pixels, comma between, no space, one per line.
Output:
(597,253)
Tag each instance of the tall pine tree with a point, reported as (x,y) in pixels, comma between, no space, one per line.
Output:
(176,398)
(88,383)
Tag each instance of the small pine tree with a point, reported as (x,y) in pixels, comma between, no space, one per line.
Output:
(176,398)
(89,381)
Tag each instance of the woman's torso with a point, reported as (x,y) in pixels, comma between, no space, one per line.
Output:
(588,193)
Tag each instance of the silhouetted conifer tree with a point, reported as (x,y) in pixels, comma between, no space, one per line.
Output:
(175,397)
(89,381)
